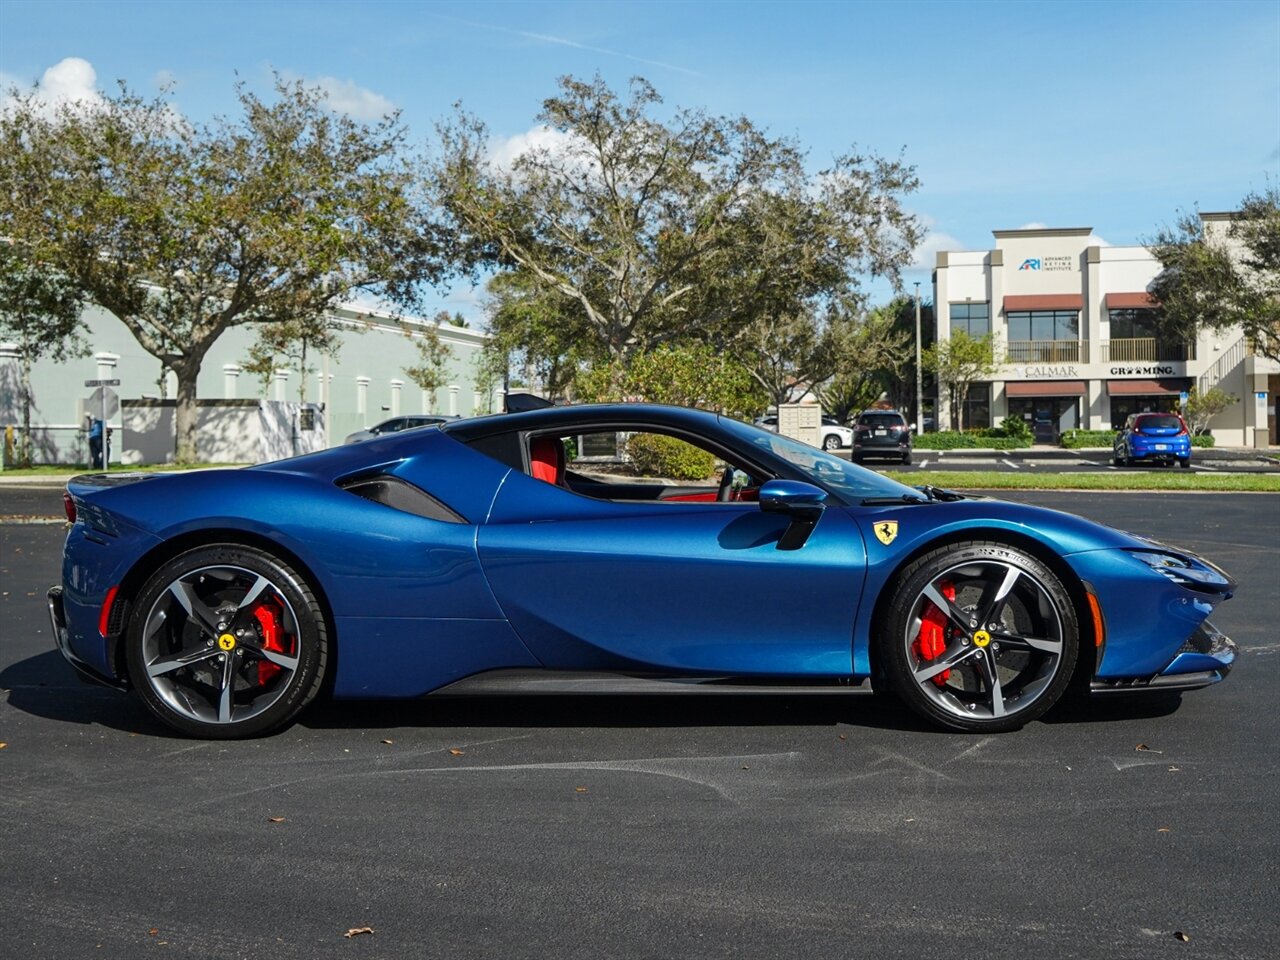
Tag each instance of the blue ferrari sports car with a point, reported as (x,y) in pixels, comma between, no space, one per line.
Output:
(528,549)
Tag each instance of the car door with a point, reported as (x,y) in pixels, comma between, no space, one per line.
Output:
(671,586)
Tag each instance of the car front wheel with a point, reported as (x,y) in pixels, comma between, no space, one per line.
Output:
(979,636)
(831,442)
(226,641)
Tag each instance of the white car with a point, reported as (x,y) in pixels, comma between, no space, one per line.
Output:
(834,435)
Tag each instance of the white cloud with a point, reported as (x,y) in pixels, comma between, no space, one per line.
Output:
(503,152)
(346,96)
(164,80)
(70,80)
(1034,225)
(924,257)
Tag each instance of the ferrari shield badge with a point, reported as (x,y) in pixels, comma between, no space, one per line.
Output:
(886,530)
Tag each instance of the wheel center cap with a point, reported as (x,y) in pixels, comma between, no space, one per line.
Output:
(226,642)
(981,638)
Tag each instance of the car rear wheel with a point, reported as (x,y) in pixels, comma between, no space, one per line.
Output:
(906,458)
(831,442)
(979,636)
(1185,464)
(226,641)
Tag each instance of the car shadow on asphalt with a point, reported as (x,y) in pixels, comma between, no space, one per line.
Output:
(45,686)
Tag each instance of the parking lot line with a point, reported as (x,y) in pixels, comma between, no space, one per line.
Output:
(1011,464)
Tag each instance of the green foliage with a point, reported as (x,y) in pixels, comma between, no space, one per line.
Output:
(1202,440)
(542,330)
(692,375)
(969,440)
(430,373)
(655,455)
(1201,408)
(1205,285)
(644,226)
(1017,429)
(869,356)
(40,312)
(1078,439)
(959,362)
(185,230)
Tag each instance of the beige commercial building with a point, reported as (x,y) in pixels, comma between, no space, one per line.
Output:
(1071,320)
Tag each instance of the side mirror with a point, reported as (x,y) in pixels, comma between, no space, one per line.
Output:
(802,502)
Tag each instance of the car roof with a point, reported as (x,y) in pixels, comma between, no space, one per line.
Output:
(595,414)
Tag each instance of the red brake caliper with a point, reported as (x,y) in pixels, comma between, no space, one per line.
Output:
(932,642)
(269,624)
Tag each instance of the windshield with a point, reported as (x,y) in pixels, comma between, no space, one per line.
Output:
(851,483)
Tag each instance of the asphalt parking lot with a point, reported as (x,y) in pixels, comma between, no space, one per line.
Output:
(1058,460)
(820,826)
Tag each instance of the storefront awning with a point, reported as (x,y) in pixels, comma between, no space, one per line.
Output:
(1141,300)
(1046,388)
(1148,388)
(1046,301)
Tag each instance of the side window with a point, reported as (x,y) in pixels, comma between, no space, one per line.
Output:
(628,465)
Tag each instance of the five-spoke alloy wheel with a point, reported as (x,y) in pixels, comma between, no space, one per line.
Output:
(980,637)
(226,641)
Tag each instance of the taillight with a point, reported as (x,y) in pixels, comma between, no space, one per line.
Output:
(69,506)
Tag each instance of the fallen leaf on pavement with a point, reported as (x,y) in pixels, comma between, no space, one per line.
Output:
(1143,748)
(275,819)
(1162,830)
(1179,935)
(388,741)
(3,745)
(153,931)
(579,789)
(455,751)
(356,931)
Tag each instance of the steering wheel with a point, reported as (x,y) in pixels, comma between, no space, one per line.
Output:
(725,493)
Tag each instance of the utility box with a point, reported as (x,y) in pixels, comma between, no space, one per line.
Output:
(801,421)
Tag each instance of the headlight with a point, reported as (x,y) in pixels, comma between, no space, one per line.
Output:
(1188,572)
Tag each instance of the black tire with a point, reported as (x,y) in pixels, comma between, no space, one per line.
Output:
(855,458)
(226,641)
(1185,464)
(1117,459)
(1028,639)
(831,442)
(906,458)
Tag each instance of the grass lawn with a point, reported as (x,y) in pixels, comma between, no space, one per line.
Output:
(1177,480)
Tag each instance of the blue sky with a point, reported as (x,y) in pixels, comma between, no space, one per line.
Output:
(1113,115)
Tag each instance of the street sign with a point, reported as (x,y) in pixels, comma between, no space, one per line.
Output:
(104,402)
(102,383)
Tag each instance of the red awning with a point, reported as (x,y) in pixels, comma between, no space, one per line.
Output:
(1046,388)
(1140,300)
(1147,388)
(1047,301)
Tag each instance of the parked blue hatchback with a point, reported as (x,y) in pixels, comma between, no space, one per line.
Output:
(1153,438)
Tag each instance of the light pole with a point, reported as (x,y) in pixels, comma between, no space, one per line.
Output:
(919,372)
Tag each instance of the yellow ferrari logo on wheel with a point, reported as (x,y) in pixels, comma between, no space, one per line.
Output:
(226,642)
(886,530)
(981,638)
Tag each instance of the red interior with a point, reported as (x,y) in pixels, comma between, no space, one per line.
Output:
(546,457)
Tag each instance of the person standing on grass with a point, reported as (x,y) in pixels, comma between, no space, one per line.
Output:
(95,442)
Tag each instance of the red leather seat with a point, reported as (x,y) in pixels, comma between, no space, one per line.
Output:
(546,457)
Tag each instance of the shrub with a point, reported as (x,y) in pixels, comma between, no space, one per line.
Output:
(1203,440)
(1017,429)
(949,440)
(1075,439)
(657,455)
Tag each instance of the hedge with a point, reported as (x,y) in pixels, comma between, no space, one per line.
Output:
(1204,440)
(656,455)
(1075,439)
(988,439)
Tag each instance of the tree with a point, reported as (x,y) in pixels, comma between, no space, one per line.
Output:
(874,356)
(540,329)
(1221,283)
(430,373)
(1201,408)
(959,362)
(40,311)
(489,366)
(656,231)
(295,343)
(689,375)
(184,231)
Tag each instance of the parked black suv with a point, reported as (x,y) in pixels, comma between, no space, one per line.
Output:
(881,433)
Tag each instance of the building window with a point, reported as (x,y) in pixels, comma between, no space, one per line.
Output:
(977,406)
(1045,336)
(1132,324)
(973,318)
